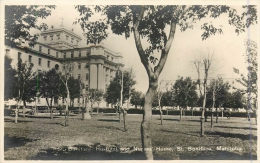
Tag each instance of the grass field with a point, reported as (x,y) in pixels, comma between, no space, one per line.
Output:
(103,138)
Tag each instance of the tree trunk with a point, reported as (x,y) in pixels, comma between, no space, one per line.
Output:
(201,126)
(67,107)
(211,118)
(98,108)
(146,123)
(119,113)
(216,115)
(51,110)
(17,111)
(87,115)
(160,108)
(161,117)
(180,113)
(192,111)
(24,106)
(221,114)
(255,117)
(83,113)
(124,116)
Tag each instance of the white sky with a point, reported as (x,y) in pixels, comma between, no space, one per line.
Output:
(228,47)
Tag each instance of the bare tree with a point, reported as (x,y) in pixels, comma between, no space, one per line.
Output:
(208,64)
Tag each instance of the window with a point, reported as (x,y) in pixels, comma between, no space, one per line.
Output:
(112,58)
(19,55)
(55,100)
(87,76)
(87,66)
(38,99)
(7,51)
(79,66)
(40,48)
(78,100)
(57,54)
(79,76)
(72,40)
(64,56)
(86,87)
(79,53)
(51,37)
(67,37)
(63,100)
(58,37)
(88,53)
(40,61)
(49,51)
(72,54)
(49,63)
(45,38)
(30,58)
(107,57)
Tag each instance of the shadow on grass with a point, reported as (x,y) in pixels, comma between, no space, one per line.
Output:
(11,142)
(218,155)
(176,132)
(12,120)
(244,128)
(109,120)
(84,152)
(111,128)
(168,119)
(233,135)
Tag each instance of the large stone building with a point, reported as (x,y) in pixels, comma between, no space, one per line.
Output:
(95,65)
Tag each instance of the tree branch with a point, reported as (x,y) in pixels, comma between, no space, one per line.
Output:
(138,43)
(165,50)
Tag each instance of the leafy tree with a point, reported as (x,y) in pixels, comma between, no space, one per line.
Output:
(9,78)
(250,80)
(65,73)
(74,89)
(20,19)
(23,90)
(113,91)
(217,93)
(50,87)
(167,99)
(235,99)
(184,93)
(150,23)
(136,98)
(95,96)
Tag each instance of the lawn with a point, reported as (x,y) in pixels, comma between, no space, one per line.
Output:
(103,138)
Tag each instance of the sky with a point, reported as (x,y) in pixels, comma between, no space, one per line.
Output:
(228,48)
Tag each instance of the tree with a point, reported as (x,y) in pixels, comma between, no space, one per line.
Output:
(150,23)
(23,89)
(208,63)
(95,96)
(50,87)
(74,89)
(250,81)
(19,20)
(9,78)
(113,90)
(121,88)
(136,98)
(217,95)
(64,74)
(184,93)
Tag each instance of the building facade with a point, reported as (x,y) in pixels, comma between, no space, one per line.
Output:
(94,65)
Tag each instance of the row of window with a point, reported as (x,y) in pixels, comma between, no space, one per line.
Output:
(64,56)
(72,54)
(87,76)
(30,60)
